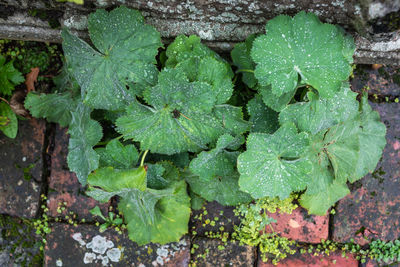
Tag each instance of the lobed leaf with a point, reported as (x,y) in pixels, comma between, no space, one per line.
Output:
(84,134)
(9,125)
(274,164)
(125,52)
(301,47)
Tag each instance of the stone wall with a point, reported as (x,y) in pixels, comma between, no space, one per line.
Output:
(220,23)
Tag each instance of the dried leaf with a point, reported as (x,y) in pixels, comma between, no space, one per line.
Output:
(31,78)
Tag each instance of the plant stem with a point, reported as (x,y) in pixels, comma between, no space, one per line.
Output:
(245,70)
(143,157)
(4,100)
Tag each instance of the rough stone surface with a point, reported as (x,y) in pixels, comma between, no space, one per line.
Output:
(381,80)
(373,263)
(84,246)
(224,214)
(309,260)
(64,187)
(21,168)
(372,210)
(220,22)
(214,253)
(300,226)
(18,243)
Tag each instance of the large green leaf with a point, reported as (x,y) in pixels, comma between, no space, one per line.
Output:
(117,155)
(274,164)
(126,50)
(9,76)
(53,107)
(241,58)
(231,119)
(320,202)
(158,216)
(262,118)
(225,190)
(372,140)
(84,134)
(320,114)
(302,47)
(276,103)
(218,161)
(180,117)
(9,125)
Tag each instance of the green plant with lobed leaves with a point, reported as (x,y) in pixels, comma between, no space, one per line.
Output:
(308,134)
(9,78)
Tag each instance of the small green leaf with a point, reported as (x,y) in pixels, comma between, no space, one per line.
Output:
(113,180)
(372,140)
(155,179)
(320,114)
(320,202)
(223,189)
(53,107)
(97,212)
(10,123)
(9,76)
(117,155)
(84,134)
(241,58)
(218,161)
(274,164)
(231,119)
(276,103)
(262,118)
(302,47)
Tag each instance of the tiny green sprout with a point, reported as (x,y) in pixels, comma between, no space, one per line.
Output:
(333,211)
(396,100)
(220,247)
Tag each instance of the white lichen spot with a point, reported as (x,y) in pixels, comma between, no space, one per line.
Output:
(23,159)
(59,263)
(89,257)
(101,3)
(78,237)
(78,22)
(99,244)
(378,9)
(104,260)
(206,35)
(114,254)
(160,260)
(20,182)
(253,6)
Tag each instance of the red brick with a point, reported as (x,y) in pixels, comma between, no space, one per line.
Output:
(372,210)
(64,185)
(21,169)
(308,260)
(300,226)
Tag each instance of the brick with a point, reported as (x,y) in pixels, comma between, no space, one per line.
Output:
(72,246)
(21,169)
(384,81)
(210,253)
(225,215)
(64,185)
(300,226)
(309,260)
(372,210)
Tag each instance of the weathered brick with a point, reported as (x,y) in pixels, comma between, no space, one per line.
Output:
(224,214)
(309,260)
(213,253)
(64,185)
(372,210)
(384,81)
(72,246)
(300,226)
(21,169)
